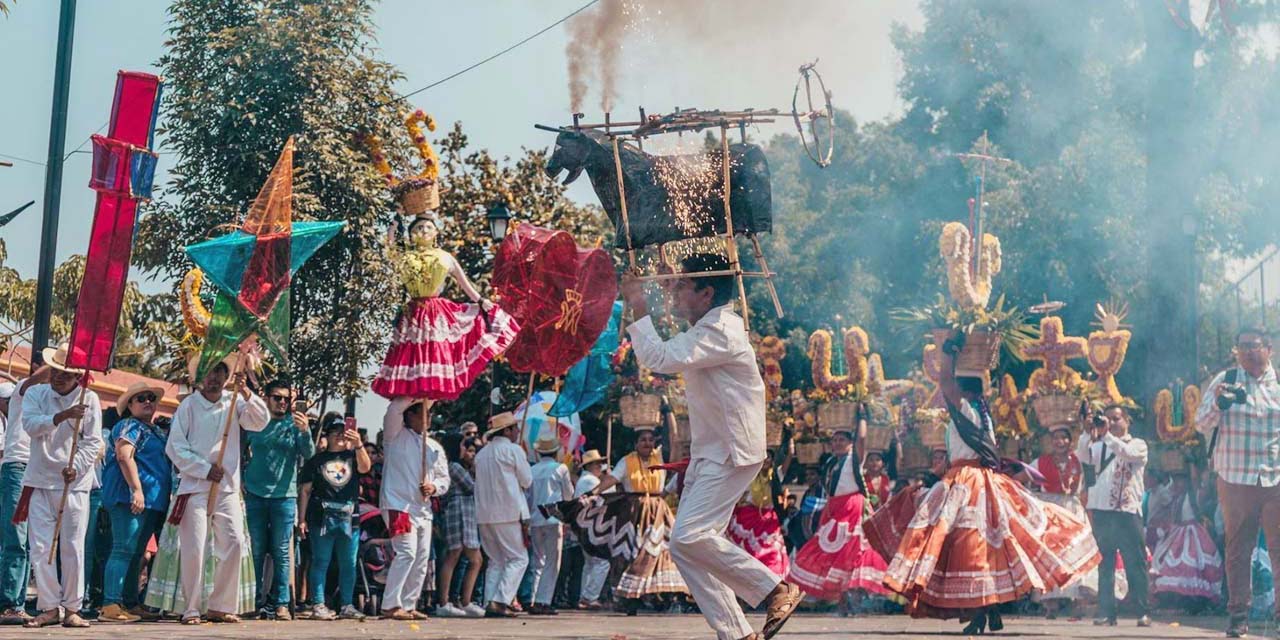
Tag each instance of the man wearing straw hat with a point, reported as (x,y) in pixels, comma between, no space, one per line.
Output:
(726,420)
(550,484)
(594,570)
(196,444)
(416,469)
(56,484)
(502,476)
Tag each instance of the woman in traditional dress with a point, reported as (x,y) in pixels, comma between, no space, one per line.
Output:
(837,559)
(1184,560)
(756,525)
(439,346)
(977,538)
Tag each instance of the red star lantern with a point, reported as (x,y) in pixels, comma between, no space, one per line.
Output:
(562,296)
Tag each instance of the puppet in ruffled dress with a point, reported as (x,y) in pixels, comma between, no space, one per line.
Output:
(439,346)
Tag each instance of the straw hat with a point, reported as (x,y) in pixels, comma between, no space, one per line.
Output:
(592,455)
(134,389)
(547,442)
(6,390)
(57,358)
(194,362)
(499,422)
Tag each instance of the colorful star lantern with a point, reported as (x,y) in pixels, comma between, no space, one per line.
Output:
(122,171)
(1107,349)
(588,381)
(562,296)
(253,266)
(1054,349)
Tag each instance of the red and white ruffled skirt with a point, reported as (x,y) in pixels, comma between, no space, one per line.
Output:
(758,531)
(837,558)
(439,347)
(1186,561)
(975,539)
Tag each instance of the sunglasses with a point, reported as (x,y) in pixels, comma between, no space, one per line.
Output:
(145,398)
(279,398)
(1252,346)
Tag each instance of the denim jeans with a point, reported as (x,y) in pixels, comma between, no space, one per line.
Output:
(129,535)
(271,523)
(341,548)
(93,552)
(15,568)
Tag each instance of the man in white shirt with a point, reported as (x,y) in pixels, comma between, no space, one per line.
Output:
(550,484)
(195,442)
(594,570)
(1118,461)
(7,390)
(410,476)
(15,566)
(726,420)
(502,476)
(51,415)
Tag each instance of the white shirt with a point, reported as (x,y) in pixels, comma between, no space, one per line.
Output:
(51,443)
(17,444)
(550,484)
(195,438)
(402,468)
(847,483)
(586,482)
(956,448)
(722,381)
(502,475)
(1120,485)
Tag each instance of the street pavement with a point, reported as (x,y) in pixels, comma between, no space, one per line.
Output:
(610,626)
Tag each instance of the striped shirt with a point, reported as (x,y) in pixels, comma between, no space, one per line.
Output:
(1248,447)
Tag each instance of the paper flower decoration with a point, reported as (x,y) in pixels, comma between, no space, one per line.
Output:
(955,245)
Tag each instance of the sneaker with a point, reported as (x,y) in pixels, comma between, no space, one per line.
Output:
(473,610)
(350,612)
(114,613)
(447,610)
(321,612)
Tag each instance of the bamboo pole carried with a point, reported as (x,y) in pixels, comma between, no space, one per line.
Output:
(730,241)
(528,400)
(66,486)
(424,422)
(768,275)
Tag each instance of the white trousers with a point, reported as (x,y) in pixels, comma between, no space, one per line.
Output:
(504,544)
(409,566)
(594,572)
(43,513)
(547,541)
(715,569)
(230,546)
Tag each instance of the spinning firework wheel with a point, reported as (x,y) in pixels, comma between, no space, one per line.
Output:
(819,115)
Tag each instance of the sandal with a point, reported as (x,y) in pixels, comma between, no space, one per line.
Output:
(781,604)
(191,620)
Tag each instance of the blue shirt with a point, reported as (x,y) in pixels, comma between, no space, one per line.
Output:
(154,469)
(274,456)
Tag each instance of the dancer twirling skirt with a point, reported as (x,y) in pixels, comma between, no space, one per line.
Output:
(976,538)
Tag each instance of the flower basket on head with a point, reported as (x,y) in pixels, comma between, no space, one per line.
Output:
(418,195)
(933,434)
(836,416)
(641,410)
(808,452)
(915,457)
(772,432)
(980,354)
(1056,409)
(879,437)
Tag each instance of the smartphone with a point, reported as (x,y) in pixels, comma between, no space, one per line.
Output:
(350,423)
(301,406)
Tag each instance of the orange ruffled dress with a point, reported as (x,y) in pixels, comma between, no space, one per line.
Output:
(976,538)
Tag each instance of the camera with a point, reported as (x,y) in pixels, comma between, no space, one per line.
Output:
(1231,394)
(1098,421)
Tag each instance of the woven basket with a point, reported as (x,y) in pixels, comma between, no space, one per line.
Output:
(980,354)
(1172,460)
(879,437)
(1056,409)
(915,457)
(933,434)
(772,433)
(641,410)
(836,416)
(808,452)
(421,200)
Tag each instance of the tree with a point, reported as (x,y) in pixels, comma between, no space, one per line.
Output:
(242,78)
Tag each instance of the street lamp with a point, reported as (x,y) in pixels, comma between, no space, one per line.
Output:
(498,217)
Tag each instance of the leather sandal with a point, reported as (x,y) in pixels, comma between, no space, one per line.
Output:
(781,604)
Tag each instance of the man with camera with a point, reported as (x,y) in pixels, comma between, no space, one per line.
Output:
(1240,417)
(1114,462)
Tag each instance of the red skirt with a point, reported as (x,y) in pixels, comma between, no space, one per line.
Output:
(977,539)
(1187,562)
(837,558)
(758,531)
(439,347)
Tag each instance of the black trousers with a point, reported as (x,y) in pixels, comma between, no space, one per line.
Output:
(1120,531)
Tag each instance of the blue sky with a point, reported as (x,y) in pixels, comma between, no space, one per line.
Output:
(672,61)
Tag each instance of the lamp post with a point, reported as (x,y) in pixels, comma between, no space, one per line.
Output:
(499,218)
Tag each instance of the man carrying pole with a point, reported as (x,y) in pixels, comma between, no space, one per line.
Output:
(204,445)
(64,421)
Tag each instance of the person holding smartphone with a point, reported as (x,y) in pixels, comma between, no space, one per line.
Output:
(271,493)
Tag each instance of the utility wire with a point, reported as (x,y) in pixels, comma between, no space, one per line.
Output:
(21,159)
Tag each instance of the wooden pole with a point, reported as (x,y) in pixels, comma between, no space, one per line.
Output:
(226,431)
(608,439)
(62,504)
(528,401)
(424,422)
(622,201)
(730,241)
(768,275)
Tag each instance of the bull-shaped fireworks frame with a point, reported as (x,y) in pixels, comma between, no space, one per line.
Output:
(693,120)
